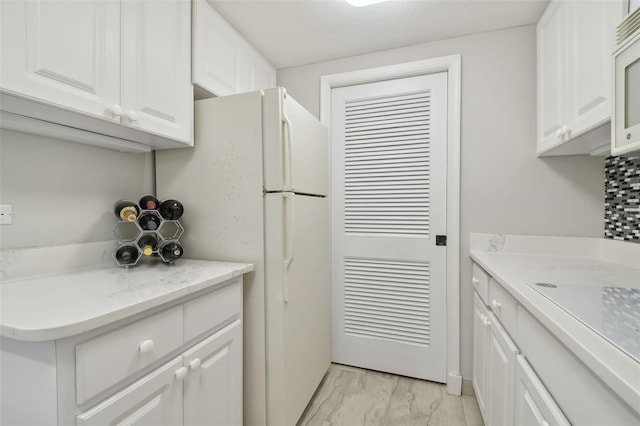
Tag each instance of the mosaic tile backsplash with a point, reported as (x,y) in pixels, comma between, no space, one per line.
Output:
(622,198)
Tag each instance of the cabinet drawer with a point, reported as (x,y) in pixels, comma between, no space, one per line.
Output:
(534,405)
(583,396)
(208,311)
(480,280)
(503,306)
(108,358)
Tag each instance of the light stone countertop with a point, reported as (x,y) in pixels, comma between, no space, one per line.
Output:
(73,301)
(576,261)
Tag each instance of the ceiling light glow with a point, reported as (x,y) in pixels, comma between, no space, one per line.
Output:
(361,3)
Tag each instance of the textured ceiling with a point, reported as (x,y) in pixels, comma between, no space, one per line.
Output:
(297,32)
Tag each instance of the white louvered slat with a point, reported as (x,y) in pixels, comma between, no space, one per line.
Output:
(388,300)
(387,165)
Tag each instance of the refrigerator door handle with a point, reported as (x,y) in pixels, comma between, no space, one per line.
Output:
(289,226)
(288,163)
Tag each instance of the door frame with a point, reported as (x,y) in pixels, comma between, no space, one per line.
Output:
(452,65)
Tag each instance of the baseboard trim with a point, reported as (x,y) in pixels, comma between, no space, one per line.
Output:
(454,384)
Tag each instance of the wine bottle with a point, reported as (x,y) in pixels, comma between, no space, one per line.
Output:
(170,251)
(149,221)
(148,202)
(148,243)
(126,210)
(171,209)
(127,254)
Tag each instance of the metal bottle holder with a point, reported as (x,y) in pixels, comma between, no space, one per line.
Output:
(131,233)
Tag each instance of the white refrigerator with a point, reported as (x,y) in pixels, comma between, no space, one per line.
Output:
(254,189)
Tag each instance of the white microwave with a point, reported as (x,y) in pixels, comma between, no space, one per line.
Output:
(625,123)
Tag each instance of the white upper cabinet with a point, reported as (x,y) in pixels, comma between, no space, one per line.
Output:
(223,62)
(551,73)
(575,43)
(115,69)
(66,53)
(157,95)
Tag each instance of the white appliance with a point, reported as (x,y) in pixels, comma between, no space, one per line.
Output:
(625,129)
(254,189)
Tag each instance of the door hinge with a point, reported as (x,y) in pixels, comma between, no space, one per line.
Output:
(441,240)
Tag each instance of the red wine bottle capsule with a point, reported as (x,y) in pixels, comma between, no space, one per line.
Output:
(148,202)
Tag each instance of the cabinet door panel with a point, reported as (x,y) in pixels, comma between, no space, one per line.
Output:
(156,88)
(213,388)
(551,74)
(480,355)
(592,27)
(216,51)
(63,52)
(502,359)
(154,400)
(533,404)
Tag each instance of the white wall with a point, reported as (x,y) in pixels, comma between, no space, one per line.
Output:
(63,192)
(505,188)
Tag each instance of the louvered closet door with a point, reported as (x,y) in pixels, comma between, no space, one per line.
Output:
(389,202)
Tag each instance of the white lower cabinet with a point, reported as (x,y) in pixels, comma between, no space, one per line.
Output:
(502,361)
(480,355)
(533,404)
(213,387)
(180,364)
(155,399)
(495,354)
(200,387)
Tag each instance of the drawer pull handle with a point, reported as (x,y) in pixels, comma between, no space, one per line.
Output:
(496,304)
(486,322)
(146,346)
(475,281)
(195,364)
(181,373)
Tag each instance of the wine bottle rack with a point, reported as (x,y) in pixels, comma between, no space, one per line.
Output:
(129,234)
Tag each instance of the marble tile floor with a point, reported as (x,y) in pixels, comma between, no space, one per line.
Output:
(351,396)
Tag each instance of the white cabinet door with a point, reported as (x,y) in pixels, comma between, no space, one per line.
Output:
(154,400)
(633,5)
(255,72)
(156,90)
(575,42)
(501,374)
(63,52)
(481,333)
(591,40)
(213,388)
(216,52)
(552,39)
(224,63)
(533,404)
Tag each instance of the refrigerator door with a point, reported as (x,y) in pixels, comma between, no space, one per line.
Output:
(295,146)
(297,300)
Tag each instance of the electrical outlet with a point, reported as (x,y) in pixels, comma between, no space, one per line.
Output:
(6,214)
